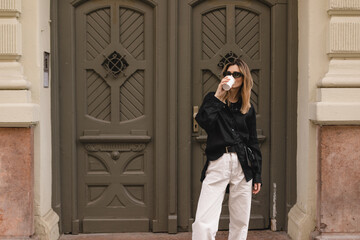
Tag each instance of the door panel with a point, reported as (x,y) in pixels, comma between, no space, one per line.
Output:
(222,32)
(114,115)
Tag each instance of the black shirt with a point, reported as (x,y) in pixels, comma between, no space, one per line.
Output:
(227,126)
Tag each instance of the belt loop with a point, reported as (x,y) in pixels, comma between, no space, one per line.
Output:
(226,149)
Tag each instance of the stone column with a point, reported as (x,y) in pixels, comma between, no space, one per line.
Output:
(336,112)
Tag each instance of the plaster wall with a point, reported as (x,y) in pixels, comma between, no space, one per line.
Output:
(35,20)
(36,33)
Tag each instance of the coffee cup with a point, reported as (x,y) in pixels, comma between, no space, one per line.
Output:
(229,84)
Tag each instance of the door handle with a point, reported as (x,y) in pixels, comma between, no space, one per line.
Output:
(195,124)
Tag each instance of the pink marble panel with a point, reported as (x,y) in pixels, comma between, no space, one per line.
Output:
(339,169)
(16,182)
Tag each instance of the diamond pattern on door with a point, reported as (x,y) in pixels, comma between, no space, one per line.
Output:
(115,64)
(132,97)
(98,96)
(98,31)
(255,90)
(210,82)
(132,32)
(247,32)
(213,32)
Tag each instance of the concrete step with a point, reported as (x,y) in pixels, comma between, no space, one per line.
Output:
(221,235)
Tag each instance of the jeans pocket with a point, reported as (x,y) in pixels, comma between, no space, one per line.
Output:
(213,165)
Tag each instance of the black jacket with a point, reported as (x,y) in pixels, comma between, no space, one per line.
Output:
(227,126)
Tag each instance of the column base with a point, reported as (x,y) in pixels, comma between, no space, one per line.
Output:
(300,224)
(47,227)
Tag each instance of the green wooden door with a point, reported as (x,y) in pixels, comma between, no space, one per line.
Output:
(114,82)
(108,118)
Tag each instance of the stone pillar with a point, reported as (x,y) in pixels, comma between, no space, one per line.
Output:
(336,112)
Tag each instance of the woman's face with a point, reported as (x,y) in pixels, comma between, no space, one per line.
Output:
(239,80)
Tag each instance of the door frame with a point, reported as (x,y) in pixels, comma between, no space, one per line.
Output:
(283,95)
(174,179)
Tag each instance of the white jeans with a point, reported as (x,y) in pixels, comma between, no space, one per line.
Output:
(220,172)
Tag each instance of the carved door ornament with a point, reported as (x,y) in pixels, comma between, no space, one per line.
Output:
(115,64)
(229,57)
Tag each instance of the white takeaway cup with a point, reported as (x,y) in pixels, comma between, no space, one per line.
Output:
(229,84)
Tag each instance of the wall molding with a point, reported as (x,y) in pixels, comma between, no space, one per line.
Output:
(10,41)
(10,8)
(344,36)
(334,113)
(19,114)
(345,4)
(343,12)
(343,76)
(11,76)
(344,32)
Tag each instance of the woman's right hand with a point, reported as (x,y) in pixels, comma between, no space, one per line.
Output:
(220,92)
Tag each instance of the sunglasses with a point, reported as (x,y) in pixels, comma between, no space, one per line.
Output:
(234,74)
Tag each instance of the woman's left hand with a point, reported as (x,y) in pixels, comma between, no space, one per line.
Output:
(256,188)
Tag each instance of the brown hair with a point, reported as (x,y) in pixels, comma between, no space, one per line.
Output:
(245,90)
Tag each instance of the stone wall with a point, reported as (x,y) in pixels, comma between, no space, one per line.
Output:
(16,183)
(338,190)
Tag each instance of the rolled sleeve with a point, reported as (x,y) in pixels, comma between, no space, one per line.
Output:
(209,111)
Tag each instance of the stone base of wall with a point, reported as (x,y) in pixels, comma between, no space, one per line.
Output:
(300,223)
(335,236)
(16,183)
(47,227)
(338,207)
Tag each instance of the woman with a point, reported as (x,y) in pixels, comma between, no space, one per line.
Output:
(229,119)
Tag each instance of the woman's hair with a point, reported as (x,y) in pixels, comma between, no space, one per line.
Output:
(245,89)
